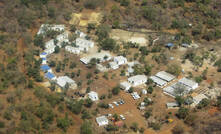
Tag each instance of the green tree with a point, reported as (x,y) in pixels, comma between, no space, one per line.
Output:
(182,112)
(116,90)
(86,128)
(174,69)
(63,123)
(88,102)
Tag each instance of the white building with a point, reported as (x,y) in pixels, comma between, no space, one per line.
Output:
(102,121)
(80,34)
(137,80)
(193,85)
(198,98)
(62,38)
(158,81)
(63,80)
(165,76)
(50,50)
(49,44)
(84,43)
(44,61)
(172,105)
(93,96)
(144,91)
(73,50)
(125,85)
(120,60)
(43,55)
(45,27)
(102,56)
(113,65)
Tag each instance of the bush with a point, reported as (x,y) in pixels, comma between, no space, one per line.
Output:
(116,90)
(134,126)
(178,129)
(63,123)
(86,128)
(125,3)
(182,113)
(155,126)
(203,103)
(174,69)
(108,44)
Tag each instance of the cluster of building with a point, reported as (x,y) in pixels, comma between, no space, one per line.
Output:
(182,87)
(162,78)
(117,62)
(101,57)
(61,81)
(133,81)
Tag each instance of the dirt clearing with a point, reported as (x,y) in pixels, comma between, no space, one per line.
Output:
(126,36)
(86,17)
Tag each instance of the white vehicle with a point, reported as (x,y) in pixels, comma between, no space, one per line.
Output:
(111,106)
(122,117)
(116,103)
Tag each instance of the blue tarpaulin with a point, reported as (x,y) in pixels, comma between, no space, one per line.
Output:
(45,68)
(49,75)
(44,53)
(169,45)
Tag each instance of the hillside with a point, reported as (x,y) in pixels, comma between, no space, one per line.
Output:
(28,106)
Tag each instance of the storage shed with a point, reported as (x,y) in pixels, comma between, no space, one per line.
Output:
(192,84)
(137,80)
(125,85)
(102,121)
(93,96)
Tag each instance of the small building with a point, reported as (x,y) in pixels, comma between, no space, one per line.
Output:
(62,38)
(120,60)
(198,98)
(101,68)
(80,34)
(50,76)
(45,68)
(63,80)
(125,85)
(93,96)
(102,121)
(45,27)
(113,65)
(165,76)
(73,50)
(50,50)
(43,55)
(137,80)
(158,81)
(192,84)
(169,45)
(135,95)
(185,45)
(144,91)
(130,70)
(50,44)
(44,61)
(172,105)
(84,43)
(102,57)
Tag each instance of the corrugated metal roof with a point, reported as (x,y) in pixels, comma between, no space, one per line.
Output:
(158,81)
(165,76)
(188,82)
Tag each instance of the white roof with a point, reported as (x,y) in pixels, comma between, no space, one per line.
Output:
(170,91)
(131,64)
(158,81)
(172,104)
(125,84)
(198,98)
(101,119)
(137,78)
(84,43)
(63,80)
(45,27)
(100,56)
(93,96)
(188,82)
(165,76)
(113,64)
(176,85)
(120,59)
